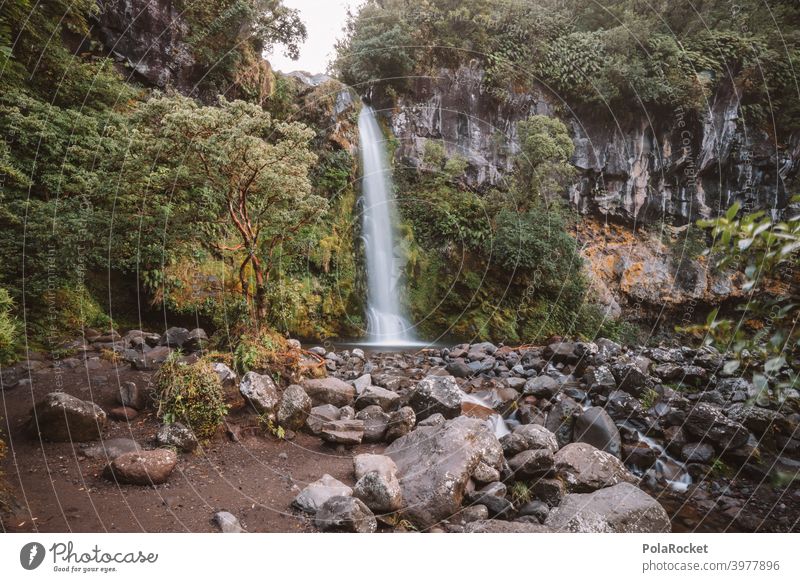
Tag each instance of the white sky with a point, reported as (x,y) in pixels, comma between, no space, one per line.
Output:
(324,20)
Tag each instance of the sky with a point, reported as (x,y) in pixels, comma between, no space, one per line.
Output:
(324,20)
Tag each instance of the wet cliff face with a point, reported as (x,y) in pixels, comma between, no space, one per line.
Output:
(636,166)
(150,36)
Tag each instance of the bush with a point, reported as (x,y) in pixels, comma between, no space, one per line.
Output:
(191,394)
(8,329)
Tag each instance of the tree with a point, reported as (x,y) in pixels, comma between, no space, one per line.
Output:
(765,341)
(235,176)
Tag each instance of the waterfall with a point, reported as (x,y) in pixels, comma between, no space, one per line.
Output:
(385,321)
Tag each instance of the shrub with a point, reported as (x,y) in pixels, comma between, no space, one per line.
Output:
(191,394)
(8,329)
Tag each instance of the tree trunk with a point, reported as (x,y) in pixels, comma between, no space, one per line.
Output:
(261,291)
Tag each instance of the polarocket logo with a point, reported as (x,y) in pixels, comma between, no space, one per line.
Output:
(31,555)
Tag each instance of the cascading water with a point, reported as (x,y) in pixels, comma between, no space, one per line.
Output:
(385,321)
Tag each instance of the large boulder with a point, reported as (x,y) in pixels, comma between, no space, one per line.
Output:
(62,417)
(401,422)
(317,493)
(541,387)
(561,419)
(329,391)
(174,337)
(343,432)
(585,468)
(376,423)
(436,394)
(435,464)
(131,396)
(142,467)
(708,423)
(532,464)
(528,437)
(294,408)
(375,395)
(345,514)
(623,508)
(320,415)
(377,484)
(595,427)
(259,392)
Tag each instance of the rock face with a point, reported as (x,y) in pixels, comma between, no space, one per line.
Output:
(329,391)
(142,468)
(631,169)
(62,417)
(585,468)
(435,464)
(622,508)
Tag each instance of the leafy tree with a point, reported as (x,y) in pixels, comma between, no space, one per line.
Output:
(238,178)
(765,341)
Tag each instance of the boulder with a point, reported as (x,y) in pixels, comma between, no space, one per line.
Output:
(528,437)
(377,484)
(584,468)
(561,419)
(362,383)
(227,377)
(375,395)
(376,423)
(329,391)
(151,360)
(435,464)
(110,449)
(174,337)
(294,408)
(708,423)
(320,415)
(600,379)
(123,413)
(131,396)
(343,432)
(622,508)
(563,352)
(497,506)
(259,392)
(195,341)
(317,493)
(227,522)
(698,453)
(541,387)
(62,417)
(345,514)
(142,467)
(459,369)
(595,427)
(532,464)
(632,376)
(178,436)
(436,394)
(401,423)
(501,526)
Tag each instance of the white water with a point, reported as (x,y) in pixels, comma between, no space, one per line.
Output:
(666,468)
(386,324)
(495,422)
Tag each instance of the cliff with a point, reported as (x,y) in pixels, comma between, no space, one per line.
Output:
(635,165)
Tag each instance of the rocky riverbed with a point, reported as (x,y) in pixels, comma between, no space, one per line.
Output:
(571,436)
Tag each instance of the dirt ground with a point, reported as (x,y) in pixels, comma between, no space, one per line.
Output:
(57,489)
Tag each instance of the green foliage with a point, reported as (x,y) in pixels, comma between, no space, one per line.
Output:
(615,52)
(191,394)
(648,398)
(521,493)
(9,330)
(765,340)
